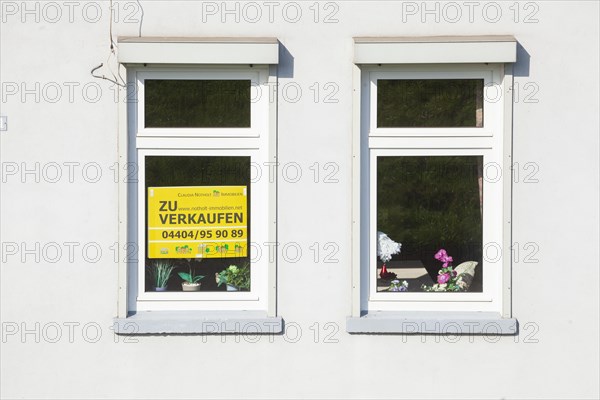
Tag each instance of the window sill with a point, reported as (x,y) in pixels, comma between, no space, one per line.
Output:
(448,323)
(198,322)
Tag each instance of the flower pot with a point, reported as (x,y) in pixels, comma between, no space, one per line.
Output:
(190,287)
(231,288)
(160,289)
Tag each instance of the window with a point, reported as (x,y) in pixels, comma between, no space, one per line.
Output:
(432,207)
(429,103)
(196,217)
(200,103)
(427,203)
(199,211)
(434,196)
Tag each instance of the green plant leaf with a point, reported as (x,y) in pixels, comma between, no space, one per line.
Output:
(185,276)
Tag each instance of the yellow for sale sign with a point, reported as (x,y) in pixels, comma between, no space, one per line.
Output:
(197,222)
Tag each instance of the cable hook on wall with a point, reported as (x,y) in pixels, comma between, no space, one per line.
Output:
(105,77)
(117,79)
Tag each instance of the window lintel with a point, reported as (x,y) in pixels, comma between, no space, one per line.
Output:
(435,49)
(198,50)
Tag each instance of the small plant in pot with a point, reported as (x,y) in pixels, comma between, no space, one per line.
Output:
(236,278)
(160,273)
(190,279)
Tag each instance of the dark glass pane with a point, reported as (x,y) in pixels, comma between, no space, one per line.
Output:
(197,103)
(198,218)
(428,203)
(429,103)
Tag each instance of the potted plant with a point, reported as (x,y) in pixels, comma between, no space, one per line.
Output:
(160,272)
(236,278)
(452,279)
(190,279)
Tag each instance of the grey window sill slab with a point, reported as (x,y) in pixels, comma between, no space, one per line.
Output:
(198,322)
(417,322)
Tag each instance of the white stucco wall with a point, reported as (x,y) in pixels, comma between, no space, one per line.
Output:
(64,300)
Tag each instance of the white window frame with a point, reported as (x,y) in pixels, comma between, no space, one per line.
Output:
(194,142)
(491,88)
(409,312)
(489,299)
(485,141)
(251,300)
(142,58)
(258,108)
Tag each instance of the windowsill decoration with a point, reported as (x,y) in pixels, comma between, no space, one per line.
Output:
(190,280)
(452,279)
(386,248)
(236,278)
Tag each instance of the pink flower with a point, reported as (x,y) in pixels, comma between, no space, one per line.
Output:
(443,278)
(442,256)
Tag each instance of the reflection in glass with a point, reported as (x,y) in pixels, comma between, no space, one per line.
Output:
(205,172)
(429,103)
(428,203)
(197,103)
